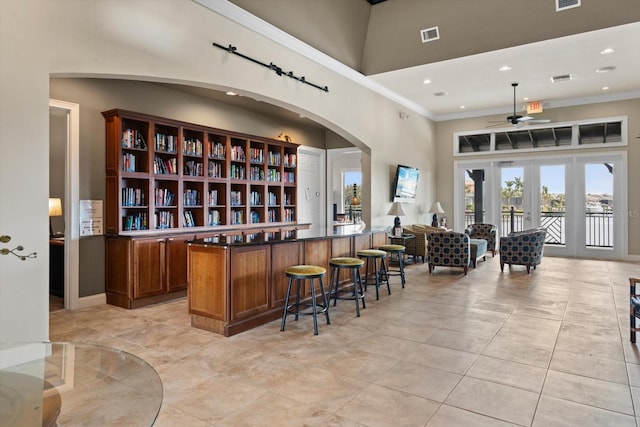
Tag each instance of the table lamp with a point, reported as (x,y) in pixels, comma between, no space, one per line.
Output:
(55,209)
(396,209)
(436,209)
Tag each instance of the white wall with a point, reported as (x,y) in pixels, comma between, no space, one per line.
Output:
(159,41)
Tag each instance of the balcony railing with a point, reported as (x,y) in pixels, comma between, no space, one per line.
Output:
(599,226)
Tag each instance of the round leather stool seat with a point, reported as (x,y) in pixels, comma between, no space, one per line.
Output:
(299,273)
(371,257)
(305,271)
(357,293)
(398,251)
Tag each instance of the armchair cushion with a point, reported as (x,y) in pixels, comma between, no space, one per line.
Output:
(522,248)
(484,231)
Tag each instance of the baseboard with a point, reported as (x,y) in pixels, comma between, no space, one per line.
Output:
(92,300)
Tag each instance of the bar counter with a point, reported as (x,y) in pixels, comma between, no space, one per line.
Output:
(236,283)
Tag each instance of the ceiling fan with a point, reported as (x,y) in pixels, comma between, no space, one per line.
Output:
(517,119)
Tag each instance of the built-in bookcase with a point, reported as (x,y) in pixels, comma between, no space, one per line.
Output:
(164,174)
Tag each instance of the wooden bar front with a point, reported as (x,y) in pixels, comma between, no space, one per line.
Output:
(234,287)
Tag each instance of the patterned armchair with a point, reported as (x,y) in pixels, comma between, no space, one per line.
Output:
(449,249)
(522,248)
(486,232)
(418,246)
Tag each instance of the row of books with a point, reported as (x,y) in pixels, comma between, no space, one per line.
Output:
(132,138)
(215,170)
(236,198)
(256,155)
(273,159)
(255,198)
(166,143)
(128,162)
(288,199)
(192,198)
(290,160)
(272,199)
(272,215)
(289,215)
(256,173)
(289,177)
(213,198)
(137,221)
(214,218)
(237,217)
(133,197)
(254,217)
(164,166)
(188,220)
(237,172)
(237,154)
(163,219)
(192,147)
(164,197)
(193,168)
(273,175)
(216,150)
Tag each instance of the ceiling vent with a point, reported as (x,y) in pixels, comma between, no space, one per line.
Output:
(566,4)
(430,34)
(561,78)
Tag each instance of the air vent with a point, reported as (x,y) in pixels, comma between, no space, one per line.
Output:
(561,78)
(430,34)
(566,4)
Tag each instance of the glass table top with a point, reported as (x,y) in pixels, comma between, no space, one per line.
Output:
(76,384)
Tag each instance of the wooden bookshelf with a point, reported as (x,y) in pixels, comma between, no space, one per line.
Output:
(168,182)
(165,175)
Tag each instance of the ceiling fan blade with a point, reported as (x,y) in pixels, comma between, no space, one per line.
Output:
(524,118)
(539,121)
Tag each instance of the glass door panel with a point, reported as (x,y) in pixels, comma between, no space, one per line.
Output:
(474,197)
(599,203)
(553,203)
(512,193)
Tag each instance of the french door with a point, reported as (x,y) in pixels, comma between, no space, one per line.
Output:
(580,200)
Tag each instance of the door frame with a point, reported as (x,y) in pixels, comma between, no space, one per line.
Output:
(71,204)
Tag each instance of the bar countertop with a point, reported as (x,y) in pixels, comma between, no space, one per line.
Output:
(292,236)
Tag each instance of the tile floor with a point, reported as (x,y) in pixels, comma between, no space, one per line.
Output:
(546,349)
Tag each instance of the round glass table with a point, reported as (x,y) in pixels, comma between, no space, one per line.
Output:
(76,384)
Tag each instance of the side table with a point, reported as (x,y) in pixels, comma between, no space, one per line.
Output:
(403,239)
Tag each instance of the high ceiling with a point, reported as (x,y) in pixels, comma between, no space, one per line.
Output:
(381,40)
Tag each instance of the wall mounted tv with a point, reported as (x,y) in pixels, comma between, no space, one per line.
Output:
(405,184)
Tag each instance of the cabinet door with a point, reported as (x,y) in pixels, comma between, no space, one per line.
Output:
(249,278)
(149,265)
(176,261)
(283,255)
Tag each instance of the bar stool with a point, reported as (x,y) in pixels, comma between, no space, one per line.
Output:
(354,264)
(398,251)
(372,258)
(301,273)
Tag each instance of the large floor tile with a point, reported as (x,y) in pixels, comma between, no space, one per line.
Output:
(554,412)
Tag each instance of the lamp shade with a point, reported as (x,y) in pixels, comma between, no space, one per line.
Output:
(436,208)
(55,206)
(396,209)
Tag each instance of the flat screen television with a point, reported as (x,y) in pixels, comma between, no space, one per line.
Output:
(405,184)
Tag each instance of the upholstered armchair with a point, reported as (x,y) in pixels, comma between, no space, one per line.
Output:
(484,231)
(449,249)
(417,247)
(522,248)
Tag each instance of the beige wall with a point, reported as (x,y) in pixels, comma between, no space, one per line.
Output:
(169,42)
(630,108)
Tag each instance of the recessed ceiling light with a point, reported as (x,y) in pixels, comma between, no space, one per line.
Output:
(426,82)
(607,51)
(605,69)
(526,98)
(605,88)
(231,93)
(440,93)
(462,107)
(504,68)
